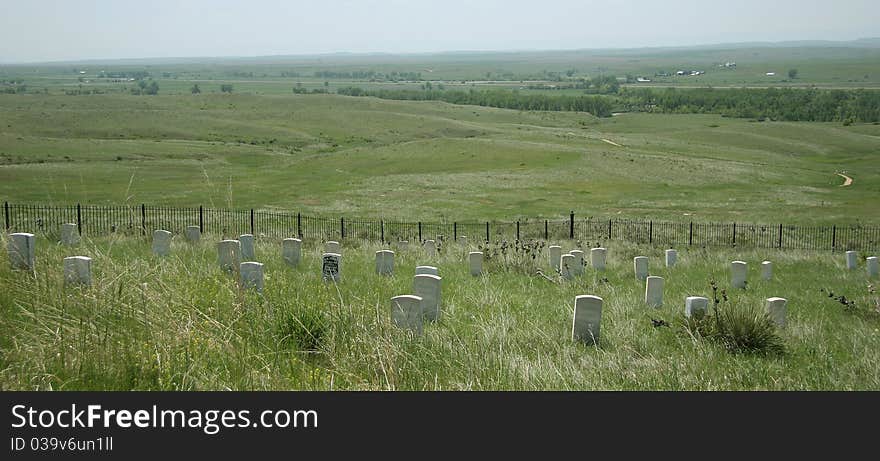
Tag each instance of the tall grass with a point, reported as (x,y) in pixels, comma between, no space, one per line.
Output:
(180,323)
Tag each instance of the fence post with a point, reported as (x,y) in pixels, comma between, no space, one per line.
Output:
(546,234)
(342,228)
(382,227)
(143,218)
(833,237)
(487,231)
(79,219)
(691,235)
(252,221)
(734,234)
(571,225)
(455,231)
(6,212)
(780,236)
(299,225)
(201,220)
(651,231)
(420,231)
(517,230)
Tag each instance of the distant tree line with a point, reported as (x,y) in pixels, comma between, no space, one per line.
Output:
(145,87)
(596,105)
(368,75)
(787,104)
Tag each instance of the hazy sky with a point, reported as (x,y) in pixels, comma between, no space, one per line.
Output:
(44,30)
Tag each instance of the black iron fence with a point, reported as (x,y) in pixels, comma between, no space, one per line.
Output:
(98,220)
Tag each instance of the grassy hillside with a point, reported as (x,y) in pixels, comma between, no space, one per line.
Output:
(180,323)
(337,155)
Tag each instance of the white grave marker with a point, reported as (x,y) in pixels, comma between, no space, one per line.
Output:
(476,262)
(852,259)
(78,270)
(406,312)
(162,242)
(640,266)
(671,257)
(587,319)
(654,291)
(696,307)
(566,266)
(871,267)
(247,247)
(291,251)
(333,247)
(229,254)
(22,251)
(776,309)
(69,234)
(766,270)
(385,262)
(578,261)
(252,275)
(427,287)
(738,273)
(555,256)
(430,270)
(331,266)
(430,248)
(193,234)
(597,258)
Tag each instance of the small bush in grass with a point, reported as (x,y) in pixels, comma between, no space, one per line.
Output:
(303,329)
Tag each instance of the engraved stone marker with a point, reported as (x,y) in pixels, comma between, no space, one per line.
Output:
(578,261)
(597,258)
(406,312)
(229,254)
(852,259)
(640,266)
(696,307)
(252,275)
(193,234)
(333,247)
(22,251)
(566,266)
(587,319)
(427,287)
(555,256)
(654,291)
(69,234)
(291,251)
(776,309)
(738,273)
(476,262)
(671,257)
(766,270)
(431,270)
(331,266)
(78,270)
(871,267)
(430,248)
(162,242)
(385,262)
(247,247)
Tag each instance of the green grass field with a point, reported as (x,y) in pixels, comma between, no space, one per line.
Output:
(181,323)
(344,156)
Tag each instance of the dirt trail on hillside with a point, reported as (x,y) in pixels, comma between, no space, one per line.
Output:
(612,142)
(846,180)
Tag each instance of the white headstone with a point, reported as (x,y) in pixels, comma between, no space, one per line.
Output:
(852,259)
(430,270)
(331,266)
(22,251)
(462,239)
(776,309)
(430,248)
(247,247)
(78,270)
(738,272)
(654,291)
(566,266)
(671,257)
(587,319)
(291,251)
(69,234)
(640,266)
(475,258)
(333,247)
(427,287)
(871,267)
(162,242)
(385,262)
(406,312)
(252,275)
(403,244)
(597,258)
(766,270)
(578,261)
(555,256)
(229,254)
(696,307)
(193,234)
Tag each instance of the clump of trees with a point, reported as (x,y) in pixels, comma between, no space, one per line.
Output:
(150,87)
(226,88)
